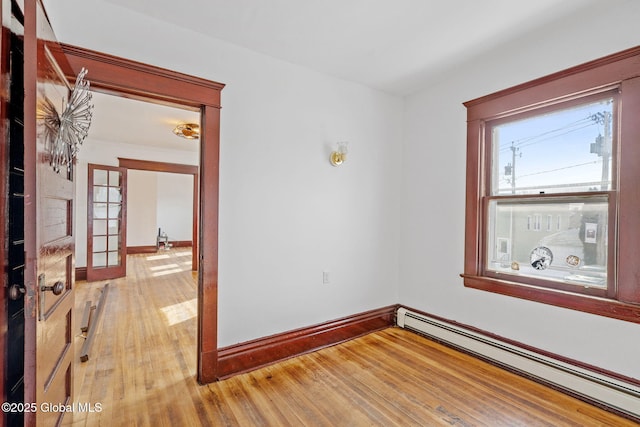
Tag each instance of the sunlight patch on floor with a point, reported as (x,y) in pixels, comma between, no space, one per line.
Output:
(156,257)
(182,254)
(163,267)
(180,312)
(166,272)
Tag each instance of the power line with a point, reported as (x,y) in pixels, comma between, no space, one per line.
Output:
(569,125)
(555,136)
(523,140)
(559,169)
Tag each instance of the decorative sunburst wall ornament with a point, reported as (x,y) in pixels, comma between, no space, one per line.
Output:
(65,133)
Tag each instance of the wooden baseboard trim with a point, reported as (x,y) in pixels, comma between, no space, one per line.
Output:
(132,250)
(81,273)
(250,355)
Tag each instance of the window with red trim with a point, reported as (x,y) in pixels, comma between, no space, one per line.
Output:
(553,199)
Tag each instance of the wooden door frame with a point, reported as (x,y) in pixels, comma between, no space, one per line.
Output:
(136,80)
(152,166)
(4,73)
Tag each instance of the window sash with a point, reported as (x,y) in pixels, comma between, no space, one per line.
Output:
(561,104)
(608,289)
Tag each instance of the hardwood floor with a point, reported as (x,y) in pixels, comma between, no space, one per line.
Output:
(141,371)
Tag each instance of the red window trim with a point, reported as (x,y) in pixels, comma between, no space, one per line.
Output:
(617,70)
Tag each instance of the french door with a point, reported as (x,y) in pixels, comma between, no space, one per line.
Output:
(106,222)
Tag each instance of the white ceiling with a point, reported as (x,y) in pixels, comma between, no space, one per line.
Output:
(390,45)
(138,122)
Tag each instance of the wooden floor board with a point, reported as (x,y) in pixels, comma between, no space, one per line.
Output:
(141,370)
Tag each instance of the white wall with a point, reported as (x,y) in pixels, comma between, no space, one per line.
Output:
(433,190)
(140,231)
(142,208)
(286,214)
(175,205)
(158,200)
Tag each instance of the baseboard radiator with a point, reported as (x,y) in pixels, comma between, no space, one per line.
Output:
(594,387)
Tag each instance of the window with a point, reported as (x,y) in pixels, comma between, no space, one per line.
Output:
(553,170)
(560,147)
(537,220)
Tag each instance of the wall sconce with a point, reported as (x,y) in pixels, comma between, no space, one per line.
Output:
(187,131)
(339,156)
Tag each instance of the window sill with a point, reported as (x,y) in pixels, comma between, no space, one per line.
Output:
(585,303)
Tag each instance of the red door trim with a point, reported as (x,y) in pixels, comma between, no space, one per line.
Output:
(133,79)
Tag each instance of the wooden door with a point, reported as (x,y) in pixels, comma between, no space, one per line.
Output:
(106,222)
(49,237)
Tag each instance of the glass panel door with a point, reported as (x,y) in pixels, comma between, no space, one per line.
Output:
(106,222)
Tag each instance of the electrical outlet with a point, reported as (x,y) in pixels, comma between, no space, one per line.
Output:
(325,277)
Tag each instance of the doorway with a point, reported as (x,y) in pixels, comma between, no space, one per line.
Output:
(140,81)
(185,177)
(126,209)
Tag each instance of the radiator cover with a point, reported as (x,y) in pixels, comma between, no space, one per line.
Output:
(594,387)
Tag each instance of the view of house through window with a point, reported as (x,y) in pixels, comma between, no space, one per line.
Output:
(575,253)
(548,206)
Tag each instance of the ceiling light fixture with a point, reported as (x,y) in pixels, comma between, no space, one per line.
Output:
(187,130)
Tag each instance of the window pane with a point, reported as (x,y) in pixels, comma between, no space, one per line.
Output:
(100,194)
(114,195)
(99,259)
(99,227)
(99,177)
(114,210)
(99,244)
(114,178)
(114,259)
(575,253)
(114,226)
(100,210)
(114,243)
(566,150)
